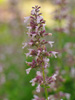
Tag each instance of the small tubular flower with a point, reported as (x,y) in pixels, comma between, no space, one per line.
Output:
(38,88)
(24,45)
(33,81)
(54,53)
(35,97)
(54,76)
(51,43)
(28,70)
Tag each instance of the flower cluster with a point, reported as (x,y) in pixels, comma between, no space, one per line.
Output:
(66,20)
(36,32)
(64,25)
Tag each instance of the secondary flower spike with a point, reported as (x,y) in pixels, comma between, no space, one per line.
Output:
(36,32)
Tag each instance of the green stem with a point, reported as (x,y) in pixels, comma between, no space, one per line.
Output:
(46,93)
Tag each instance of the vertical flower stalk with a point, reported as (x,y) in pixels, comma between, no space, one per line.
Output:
(61,15)
(36,32)
(62,18)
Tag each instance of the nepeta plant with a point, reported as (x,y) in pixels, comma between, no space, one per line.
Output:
(36,32)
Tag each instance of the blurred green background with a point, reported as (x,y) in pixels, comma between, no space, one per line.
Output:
(14,83)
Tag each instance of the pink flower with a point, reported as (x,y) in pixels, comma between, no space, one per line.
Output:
(39,18)
(38,88)
(51,43)
(35,97)
(54,77)
(30,43)
(67,96)
(46,65)
(33,12)
(33,81)
(29,54)
(24,45)
(38,73)
(36,30)
(33,35)
(48,98)
(54,53)
(46,60)
(38,52)
(28,70)
(30,50)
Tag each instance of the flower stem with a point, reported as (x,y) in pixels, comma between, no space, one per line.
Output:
(46,93)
